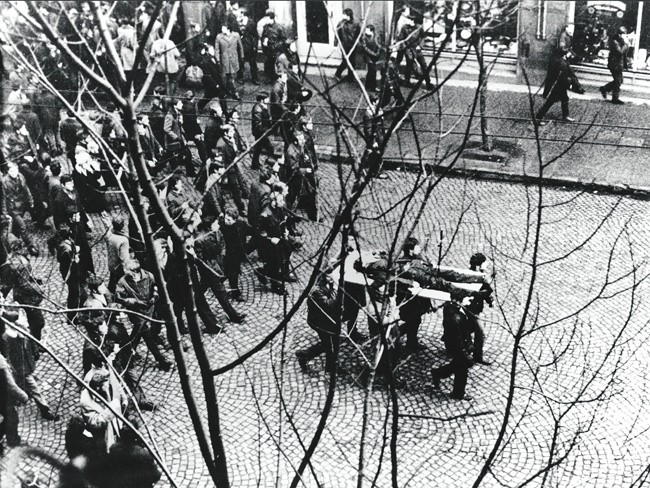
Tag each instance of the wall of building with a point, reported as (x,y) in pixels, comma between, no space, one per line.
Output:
(540,23)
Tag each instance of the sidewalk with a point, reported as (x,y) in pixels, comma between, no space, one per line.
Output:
(612,143)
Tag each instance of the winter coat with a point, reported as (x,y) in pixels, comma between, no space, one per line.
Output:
(617,60)
(173,132)
(322,312)
(137,296)
(559,77)
(249,38)
(348,32)
(16,274)
(228,50)
(163,57)
(19,198)
(117,250)
(257,201)
(457,332)
(260,120)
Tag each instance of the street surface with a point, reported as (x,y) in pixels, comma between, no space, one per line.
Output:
(441,442)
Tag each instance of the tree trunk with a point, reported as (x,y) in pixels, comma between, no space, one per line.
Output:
(486,140)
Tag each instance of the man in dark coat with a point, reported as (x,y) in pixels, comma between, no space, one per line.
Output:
(235,231)
(232,176)
(617,62)
(191,126)
(348,31)
(208,248)
(249,40)
(458,340)
(559,79)
(410,40)
(136,291)
(372,55)
(322,318)
(260,125)
(273,38)
(19,201)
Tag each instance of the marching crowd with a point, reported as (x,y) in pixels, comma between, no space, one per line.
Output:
(192,142)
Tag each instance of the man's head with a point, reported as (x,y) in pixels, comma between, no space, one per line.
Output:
(175,183)
(67,182)
(348,14)
(231,216)
(270,13)
(622,30)
(370,30)
(412,247)
(456,295)
(225,29)
(263,97)
(132,268)
(234,117)
(99,380)
(570,29)
(55,168)
(476,261)
(118,223)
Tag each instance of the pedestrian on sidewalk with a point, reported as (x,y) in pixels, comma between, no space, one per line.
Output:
(348,32)
(372,55)
(559,79)
(616,62)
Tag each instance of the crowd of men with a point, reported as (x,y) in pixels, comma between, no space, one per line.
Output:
(56,175)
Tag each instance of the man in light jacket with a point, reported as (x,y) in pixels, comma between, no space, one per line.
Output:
(228,50)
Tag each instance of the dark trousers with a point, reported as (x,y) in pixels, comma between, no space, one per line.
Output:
(74,297)
(551,100)
(251,59)
(114,277)
(9,426)
(459,367)
(19,228)
(344,64)
(262,145)
(212,282)
(228,84)
(202,307)
(479,339)
(614,86)
(142,330)
(410,61)
(36,321)
(200,148)
(269,64)
(232,268)
(328,344)
(182,156)
(371,77)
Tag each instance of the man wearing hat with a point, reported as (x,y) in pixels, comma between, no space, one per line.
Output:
(616,62)
(260,126)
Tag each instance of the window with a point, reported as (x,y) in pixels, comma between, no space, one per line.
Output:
(596,21)
(498,19)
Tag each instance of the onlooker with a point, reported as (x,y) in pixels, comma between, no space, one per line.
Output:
(163,60)
(234,231)
(260,128)
(19,201)
(348,32)
(616,62)
(273,38)
(250,40)
(372,55)
(117,250)
(228,50)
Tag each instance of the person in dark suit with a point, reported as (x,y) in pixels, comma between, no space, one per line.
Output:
(559,79)
(616,62)
(249,40)
(234,231)
(348,31)
(191,127)
(458,340)
(322,318)
(260,125)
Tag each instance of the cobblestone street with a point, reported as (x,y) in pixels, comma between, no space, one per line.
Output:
(441,442)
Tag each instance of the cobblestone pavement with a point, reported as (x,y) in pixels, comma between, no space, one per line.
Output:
(441,442)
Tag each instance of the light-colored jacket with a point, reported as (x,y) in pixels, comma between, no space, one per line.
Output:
(228,50)
(163,57)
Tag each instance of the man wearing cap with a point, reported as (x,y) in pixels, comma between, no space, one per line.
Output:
(117,250)
(616,62)
(249,40)
(260,125)
(273,38)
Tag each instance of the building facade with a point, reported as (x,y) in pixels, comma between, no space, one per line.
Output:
(521,33)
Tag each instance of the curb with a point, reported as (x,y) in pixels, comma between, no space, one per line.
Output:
(639,193)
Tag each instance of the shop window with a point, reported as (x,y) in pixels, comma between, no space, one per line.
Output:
(317,22)
(498,19)
(596,21)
